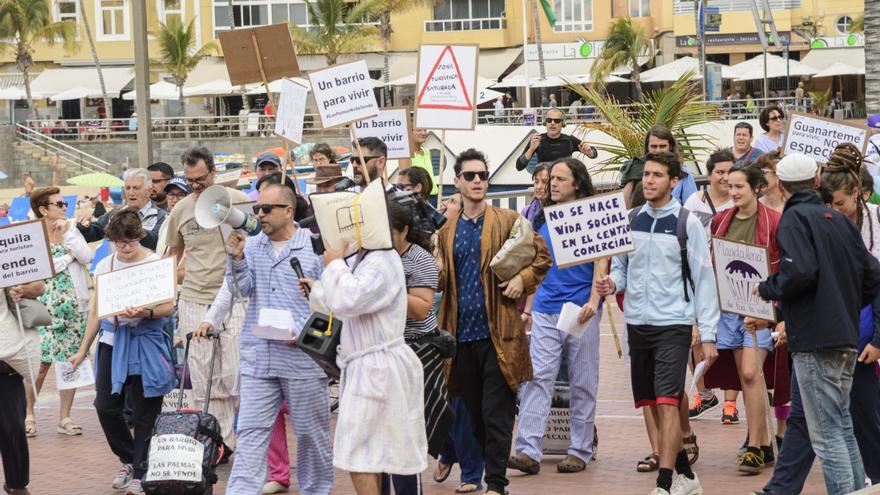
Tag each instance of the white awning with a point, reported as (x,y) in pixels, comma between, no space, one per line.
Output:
(753,68)
(50,82)
(75,93)
(161,90)
(672,71)
(840,69)
(403,65)
(822,58)
(493,63)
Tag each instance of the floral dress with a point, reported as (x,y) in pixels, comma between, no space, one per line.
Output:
(61,340)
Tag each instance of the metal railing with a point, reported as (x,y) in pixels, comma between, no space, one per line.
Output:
(66,153)
(514,200)
(465,24)
(687,6)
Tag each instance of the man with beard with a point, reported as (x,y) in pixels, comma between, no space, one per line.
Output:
(161,173)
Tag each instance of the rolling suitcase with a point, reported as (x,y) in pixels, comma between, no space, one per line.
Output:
(186,446)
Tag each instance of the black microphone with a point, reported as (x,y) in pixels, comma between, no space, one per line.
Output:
(297,268)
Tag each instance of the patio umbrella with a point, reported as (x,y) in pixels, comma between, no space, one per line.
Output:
(76,93)
(753,68)
(840,69)
(161,90)
(98,179)
(672,71)
(13,94)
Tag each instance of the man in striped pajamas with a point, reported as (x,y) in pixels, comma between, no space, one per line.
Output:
(276,370)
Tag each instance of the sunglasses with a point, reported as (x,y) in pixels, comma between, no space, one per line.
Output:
(469,176)
(266,209)
(60,204)
(356,160)
(126,242)
(775,118)
(554,121)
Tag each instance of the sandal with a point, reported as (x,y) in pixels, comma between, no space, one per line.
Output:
(693,453)
(469,488)
(442,472)
(649,464)
(68,427)
(30,426)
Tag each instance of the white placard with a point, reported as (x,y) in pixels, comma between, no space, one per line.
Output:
(817,137)
(739,268)
(291,111)
(349,217)
(588,229)
(146,284)
(169,402)
(557,435)
(68,377)
(392,127)
(344,93)
(24,253)
(447,86)
(175,458)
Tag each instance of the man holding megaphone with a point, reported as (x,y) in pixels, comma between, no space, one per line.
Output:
(193,229)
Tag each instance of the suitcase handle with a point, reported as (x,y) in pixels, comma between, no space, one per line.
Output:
(215,336)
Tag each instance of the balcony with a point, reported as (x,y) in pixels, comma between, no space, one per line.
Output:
(484,24)
(687,6)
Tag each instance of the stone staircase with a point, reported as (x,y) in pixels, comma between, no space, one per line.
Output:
(34,153)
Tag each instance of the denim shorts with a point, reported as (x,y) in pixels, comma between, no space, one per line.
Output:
(732,334)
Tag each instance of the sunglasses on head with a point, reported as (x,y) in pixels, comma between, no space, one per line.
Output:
(554,121)
(266,208)
(469,176)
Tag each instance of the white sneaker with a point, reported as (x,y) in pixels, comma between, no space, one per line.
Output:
(682,485)
(123,477)
(274,487)
(134,488)
(659,491)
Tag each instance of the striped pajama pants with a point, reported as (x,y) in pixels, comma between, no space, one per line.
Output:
(309,406)
(224,386)
(582,354)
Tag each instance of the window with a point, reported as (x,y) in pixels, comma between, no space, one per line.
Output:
(573,15)
(295,13)
(465,15)
(171,9)
(844,24)
(640,8)
(245,15)
(65,10)
(112,18)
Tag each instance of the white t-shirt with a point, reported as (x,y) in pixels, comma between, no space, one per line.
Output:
(104,267)
(700,208)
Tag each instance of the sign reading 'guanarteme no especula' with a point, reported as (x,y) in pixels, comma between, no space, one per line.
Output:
(817,137)
(24,253)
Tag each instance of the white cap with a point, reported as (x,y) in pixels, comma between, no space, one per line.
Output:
(796,168)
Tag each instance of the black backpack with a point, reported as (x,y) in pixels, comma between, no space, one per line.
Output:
(681,234)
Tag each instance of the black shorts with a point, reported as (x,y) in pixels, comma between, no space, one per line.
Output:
(658,360)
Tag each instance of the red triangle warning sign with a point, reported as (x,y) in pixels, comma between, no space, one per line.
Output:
(444,88)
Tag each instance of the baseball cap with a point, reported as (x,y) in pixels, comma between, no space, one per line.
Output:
(795,168)
(179,183)
(268,158)
(873,121)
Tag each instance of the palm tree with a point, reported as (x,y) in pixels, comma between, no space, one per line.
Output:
(384,10)
(626,42)
(108,104)
(178,54)
(871,24)
(23,24)
(337,28)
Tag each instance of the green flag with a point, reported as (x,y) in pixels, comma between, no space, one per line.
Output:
(548,12)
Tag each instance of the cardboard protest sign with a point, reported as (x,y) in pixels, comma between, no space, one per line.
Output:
(817,137)
(447,86)
(291,111)
(359,219)
(146,284)
(588,229)
(739,268)
(24,253)
(392,127)
(344,93)
(175,457)
(275,49)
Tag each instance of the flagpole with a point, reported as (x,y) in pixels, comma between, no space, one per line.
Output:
(526,54)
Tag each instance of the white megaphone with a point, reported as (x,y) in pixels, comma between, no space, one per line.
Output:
(215,207)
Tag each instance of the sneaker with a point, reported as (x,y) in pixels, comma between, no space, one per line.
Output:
(659,491)
(123,477)
(699,405)
(769,459)
(742,449)
(682,485)
(730,415)
(274,487)
(524,463)
(751,462)
(134,488)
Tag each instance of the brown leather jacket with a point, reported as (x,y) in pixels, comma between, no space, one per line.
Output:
(505,324)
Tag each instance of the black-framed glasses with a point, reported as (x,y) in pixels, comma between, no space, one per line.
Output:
(200,180)
(121,243)
(60,204)
(267,208)
(356,160)
(554,121)
(469,176)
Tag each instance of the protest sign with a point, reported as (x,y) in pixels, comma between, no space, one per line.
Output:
(817,137)
(171,399)
(588,229)
(392,127)
(24,253)
(344,93)
(291,111)
(146,284)
(259,54)
(175,457)
(557,434)
(739,268)
(68,377)
(447,86)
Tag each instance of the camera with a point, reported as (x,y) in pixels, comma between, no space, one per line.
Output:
(425,215)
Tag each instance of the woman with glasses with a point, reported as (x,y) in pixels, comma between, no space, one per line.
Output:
(771,120)
(771,193)
(133,358)
(66,298)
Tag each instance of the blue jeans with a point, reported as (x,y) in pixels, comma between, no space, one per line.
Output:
(462,447)
(825,380)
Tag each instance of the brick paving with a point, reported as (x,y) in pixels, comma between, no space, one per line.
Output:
(62,465)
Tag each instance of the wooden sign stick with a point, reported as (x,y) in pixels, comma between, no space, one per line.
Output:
(360,151)
(768,417)
(609,301)
(442,167)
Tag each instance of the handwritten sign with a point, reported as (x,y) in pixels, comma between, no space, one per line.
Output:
(24,253)
(817,137)
(68,377)
(171,399)
(358,219)
(392,127)
(175,458)
(146,284)
(588,229)
(739,268)
(291,111)
(344,93)
(447,86)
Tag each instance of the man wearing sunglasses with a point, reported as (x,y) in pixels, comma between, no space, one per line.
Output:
(553,144)
(161,173)
(205,259)
(492,355)
(373,160)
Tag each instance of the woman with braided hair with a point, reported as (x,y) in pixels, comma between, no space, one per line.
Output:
(841,179)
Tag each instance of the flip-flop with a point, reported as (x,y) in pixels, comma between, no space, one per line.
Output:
(469,488)
(68,427)
(442,472)
(30,426)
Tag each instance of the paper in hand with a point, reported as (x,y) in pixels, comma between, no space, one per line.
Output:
(568,320)
(68,377)
(275,324)
(699,369)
